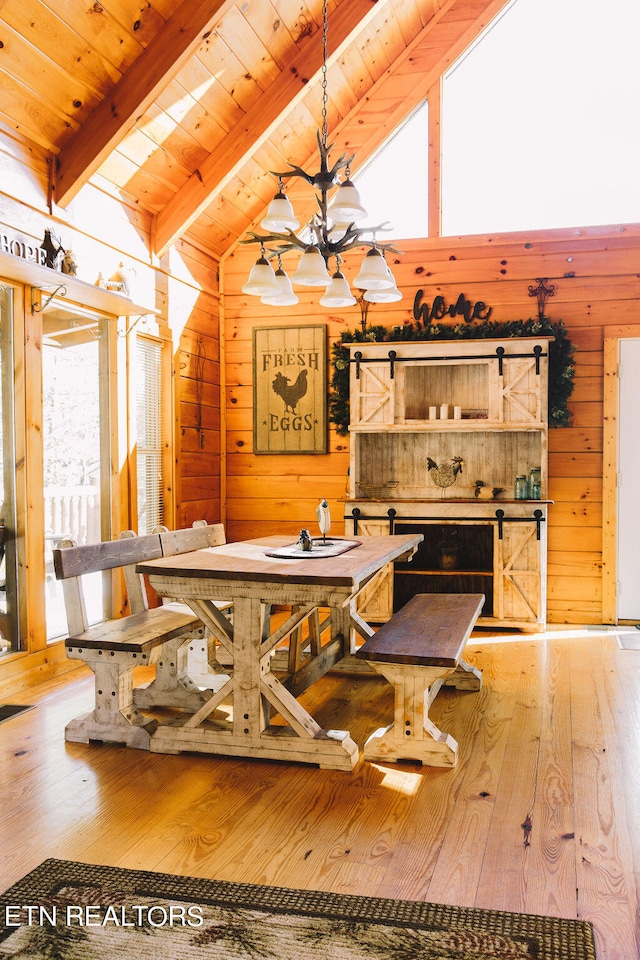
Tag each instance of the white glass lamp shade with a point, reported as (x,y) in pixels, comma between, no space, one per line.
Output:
(346,206)
(262,280)
(338,293)
(285,296)
(390,295)
(374,273)
(280,215)
(312,270)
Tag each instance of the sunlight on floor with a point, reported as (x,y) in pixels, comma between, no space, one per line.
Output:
(558,633)
(402,781)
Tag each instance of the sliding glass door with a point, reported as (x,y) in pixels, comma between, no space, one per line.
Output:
(9,612)
(76,449)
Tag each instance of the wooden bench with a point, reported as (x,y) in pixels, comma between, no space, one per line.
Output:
(186,670)
(113,648)
(418,651)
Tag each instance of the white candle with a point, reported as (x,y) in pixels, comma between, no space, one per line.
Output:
(444,411)
(457,413)
(433,415)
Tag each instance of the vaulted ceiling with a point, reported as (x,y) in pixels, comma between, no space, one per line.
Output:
(184,106)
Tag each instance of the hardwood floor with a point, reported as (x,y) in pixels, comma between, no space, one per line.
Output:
(541,815)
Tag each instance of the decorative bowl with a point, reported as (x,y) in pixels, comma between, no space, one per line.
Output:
(376,491)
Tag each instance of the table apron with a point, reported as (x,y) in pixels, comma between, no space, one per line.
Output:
(205,588)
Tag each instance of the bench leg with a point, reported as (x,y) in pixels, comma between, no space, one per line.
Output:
(464,677)
(412,735)
(114,718)
(178,669)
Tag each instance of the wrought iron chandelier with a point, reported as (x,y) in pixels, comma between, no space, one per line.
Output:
(330,233)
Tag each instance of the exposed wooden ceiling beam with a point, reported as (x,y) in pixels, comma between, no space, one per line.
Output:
(260,120)
(156,66)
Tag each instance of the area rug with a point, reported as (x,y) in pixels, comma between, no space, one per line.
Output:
(72,911)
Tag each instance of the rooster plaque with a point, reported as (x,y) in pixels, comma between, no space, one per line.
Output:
(290,389)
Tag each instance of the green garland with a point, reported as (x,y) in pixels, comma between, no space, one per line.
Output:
(561,351)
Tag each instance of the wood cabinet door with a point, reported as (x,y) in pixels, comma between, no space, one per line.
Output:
(520,394)
(372,394)
(517,574)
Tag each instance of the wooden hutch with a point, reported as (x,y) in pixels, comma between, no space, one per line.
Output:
(429,421)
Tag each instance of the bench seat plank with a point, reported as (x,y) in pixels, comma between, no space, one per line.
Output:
(432,629)
(139,632)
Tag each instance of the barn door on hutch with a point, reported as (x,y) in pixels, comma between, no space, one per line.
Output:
(373,400)
(517,588)
(520,399)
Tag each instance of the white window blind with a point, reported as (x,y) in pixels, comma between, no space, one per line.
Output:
(149,433)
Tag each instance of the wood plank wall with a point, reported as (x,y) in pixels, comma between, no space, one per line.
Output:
(197,371)
(594,272)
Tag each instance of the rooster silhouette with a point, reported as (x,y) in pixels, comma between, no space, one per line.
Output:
(291,393)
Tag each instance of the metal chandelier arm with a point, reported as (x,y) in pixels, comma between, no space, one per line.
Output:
(332,248)
(325,178)
(288,240)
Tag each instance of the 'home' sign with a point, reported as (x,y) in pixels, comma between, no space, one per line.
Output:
(439,309)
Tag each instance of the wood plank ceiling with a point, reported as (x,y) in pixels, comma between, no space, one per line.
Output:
(184,106)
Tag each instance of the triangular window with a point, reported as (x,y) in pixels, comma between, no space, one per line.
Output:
(393,184)
(541,120)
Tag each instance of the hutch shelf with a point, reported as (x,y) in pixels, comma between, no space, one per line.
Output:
(439,433)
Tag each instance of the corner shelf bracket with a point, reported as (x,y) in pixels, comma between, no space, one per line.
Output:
(40,302)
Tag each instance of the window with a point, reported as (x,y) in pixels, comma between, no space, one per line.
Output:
(540,120)
(75,449)
(148,363)
(393,184)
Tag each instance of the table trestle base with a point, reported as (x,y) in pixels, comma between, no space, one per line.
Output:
(333,750)
(253,705)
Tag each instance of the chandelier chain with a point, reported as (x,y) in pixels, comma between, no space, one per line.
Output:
(325,31)
(328,235)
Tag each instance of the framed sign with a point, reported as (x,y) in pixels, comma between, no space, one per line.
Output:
(290,389)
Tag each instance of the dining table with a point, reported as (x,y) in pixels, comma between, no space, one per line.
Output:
(262,663)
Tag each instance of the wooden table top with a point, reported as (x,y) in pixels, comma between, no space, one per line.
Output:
(247,560)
